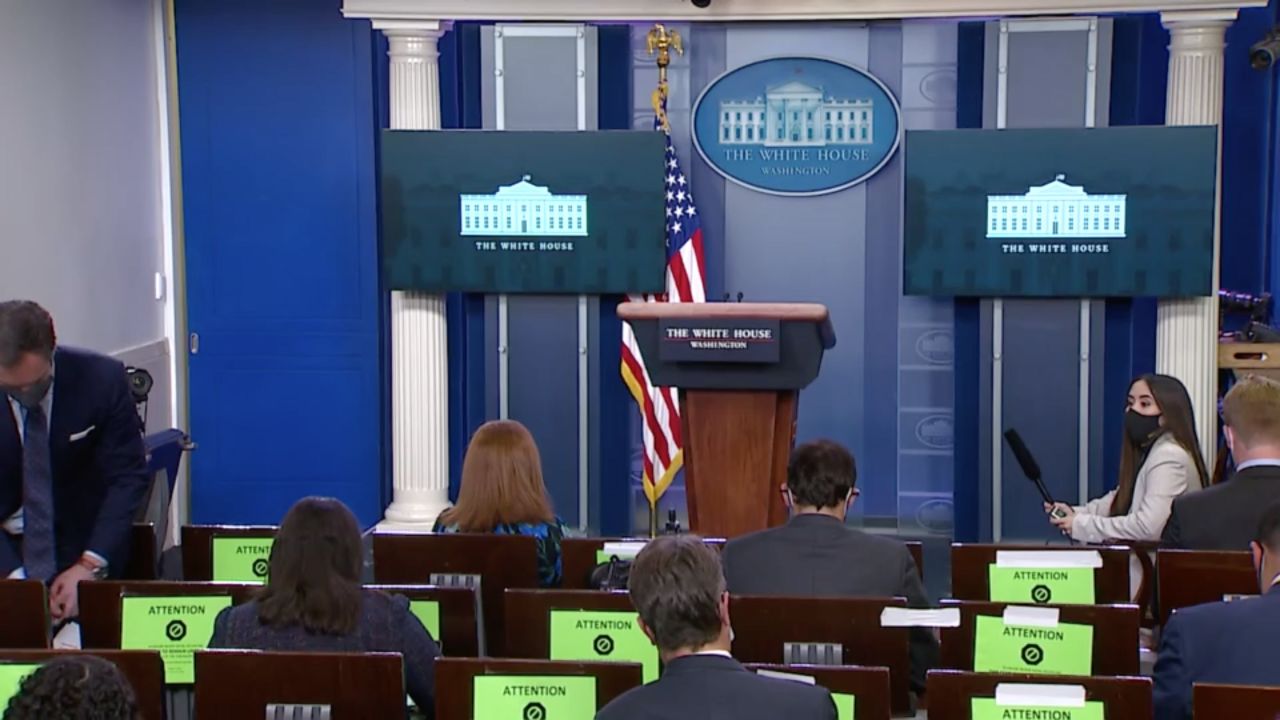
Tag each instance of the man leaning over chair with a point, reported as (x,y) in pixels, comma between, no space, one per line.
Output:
(73,469)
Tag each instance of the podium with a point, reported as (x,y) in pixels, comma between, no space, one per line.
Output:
(739,368)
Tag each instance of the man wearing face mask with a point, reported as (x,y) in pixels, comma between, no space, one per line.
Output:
(1235,643)
(816,555)
(1221,517)
(72,461)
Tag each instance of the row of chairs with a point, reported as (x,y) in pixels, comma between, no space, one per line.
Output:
(1180,578)
(483,588)
(235,684)
(845,631)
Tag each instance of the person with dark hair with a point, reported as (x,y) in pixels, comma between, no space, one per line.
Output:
(678,590)
(83,687)
(1223,517)
(816,554)
(1233,643)
(313,601)
(73,470)
(1160,460)
(502,492)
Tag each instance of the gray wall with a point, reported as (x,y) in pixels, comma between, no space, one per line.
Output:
(1047,85)
(539,84)
(80,183)
(886,388)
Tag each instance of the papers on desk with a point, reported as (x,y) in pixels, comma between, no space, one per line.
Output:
(909,617)
(1040,695)
(1048,558)
(793,677)
(1031,616)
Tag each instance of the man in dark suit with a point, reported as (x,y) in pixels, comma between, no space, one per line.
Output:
(1223,517)
(816,554)
(1236,643)
(72,462)
(677,587)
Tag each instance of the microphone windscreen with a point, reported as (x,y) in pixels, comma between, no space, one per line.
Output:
(1030,467)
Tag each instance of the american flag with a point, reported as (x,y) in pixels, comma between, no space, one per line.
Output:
(663,446)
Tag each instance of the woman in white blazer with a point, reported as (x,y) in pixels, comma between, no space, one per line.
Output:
(1160,459)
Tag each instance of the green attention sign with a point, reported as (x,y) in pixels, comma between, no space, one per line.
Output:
(1063,650)
(844,706)
(241,559)
(11,677)
(1042,586)
(602,635)
(428,611)
(603,556)
(534,697)
(176,626)
(987,709)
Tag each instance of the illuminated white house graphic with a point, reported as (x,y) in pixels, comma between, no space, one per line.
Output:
(524,209)
(796,114)
(1056,210)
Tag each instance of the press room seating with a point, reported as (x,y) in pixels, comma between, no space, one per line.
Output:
(142,668)
(1115,634)
(24,623)
(1192,577)
(1239,702)
(458,674)
(242,684)
(874,659)
(951,692)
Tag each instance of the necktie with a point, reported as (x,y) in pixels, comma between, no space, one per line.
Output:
(37,497)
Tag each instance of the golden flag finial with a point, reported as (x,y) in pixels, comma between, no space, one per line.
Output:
(662,41)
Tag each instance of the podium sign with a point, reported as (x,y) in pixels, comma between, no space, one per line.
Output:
(735,340)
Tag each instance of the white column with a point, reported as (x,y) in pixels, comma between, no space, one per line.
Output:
(1187,329)
(419,338)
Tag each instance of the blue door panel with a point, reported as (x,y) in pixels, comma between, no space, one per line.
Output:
(278,130)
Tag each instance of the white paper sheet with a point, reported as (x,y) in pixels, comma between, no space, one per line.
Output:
(1048,558)
(1031,616)
(624,550)
(793,677)
(908,617)
(1040,695)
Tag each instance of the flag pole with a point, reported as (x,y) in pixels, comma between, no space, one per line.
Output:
(661,41)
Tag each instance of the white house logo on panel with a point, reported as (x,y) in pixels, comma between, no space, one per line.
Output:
(1056,210)
(796,114)
(936,431)
(936,347)
(524,209)
(796,125)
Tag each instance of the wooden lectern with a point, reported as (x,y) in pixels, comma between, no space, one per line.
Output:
(739,368)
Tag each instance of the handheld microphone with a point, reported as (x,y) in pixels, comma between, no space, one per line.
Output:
(1030,467)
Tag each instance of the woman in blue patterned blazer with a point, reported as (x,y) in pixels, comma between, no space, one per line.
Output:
(313,601)
(502,492)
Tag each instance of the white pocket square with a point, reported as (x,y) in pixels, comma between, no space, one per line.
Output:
(77,437)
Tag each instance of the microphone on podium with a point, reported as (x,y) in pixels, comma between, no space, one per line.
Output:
(1030,467)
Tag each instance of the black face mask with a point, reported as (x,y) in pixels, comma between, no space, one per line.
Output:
(31,395)
(1141,428)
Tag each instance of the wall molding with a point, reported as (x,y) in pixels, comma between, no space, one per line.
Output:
(759,10)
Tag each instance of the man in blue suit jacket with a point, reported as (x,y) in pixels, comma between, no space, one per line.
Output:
(1235,643)
(677,588)
(72,462)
